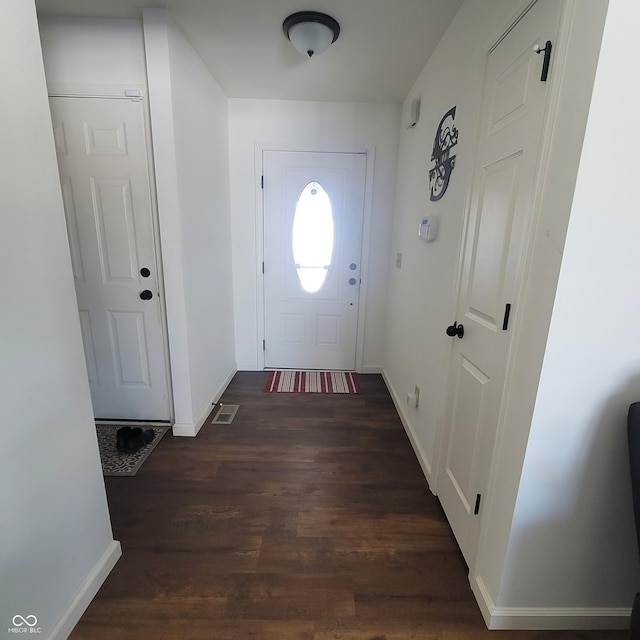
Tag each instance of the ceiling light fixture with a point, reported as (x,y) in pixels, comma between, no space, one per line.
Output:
(311,32)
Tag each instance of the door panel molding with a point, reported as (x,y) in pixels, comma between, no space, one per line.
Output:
(103,130)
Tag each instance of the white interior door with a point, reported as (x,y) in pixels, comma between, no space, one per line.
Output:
(313,214)
(102,159)
(497,229)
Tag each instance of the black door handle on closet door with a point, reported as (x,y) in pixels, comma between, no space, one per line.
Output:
(455,329)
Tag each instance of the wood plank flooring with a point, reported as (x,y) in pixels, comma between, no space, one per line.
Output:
(307,518)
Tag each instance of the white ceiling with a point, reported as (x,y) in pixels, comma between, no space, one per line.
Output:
(383,44)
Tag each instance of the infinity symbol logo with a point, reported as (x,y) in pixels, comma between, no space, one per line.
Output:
(30,621)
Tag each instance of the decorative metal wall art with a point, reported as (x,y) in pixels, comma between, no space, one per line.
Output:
(444,163)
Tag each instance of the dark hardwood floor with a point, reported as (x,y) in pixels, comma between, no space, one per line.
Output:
(307,518)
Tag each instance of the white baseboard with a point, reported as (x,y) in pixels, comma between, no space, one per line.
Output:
(185,430)
(87,592)
(248,366)
(191,430)
(415,443)
(547,618)
(371,370)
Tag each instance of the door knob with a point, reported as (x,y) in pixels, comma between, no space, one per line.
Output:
(455,329)
(146,295)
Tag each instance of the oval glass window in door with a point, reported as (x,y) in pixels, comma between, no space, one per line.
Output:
(312,238)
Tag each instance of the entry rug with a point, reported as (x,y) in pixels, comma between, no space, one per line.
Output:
(121,463)
(312,382)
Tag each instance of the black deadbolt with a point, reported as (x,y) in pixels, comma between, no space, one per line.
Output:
(144,272)
(146,295)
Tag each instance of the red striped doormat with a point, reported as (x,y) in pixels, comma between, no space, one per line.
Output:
(312,382)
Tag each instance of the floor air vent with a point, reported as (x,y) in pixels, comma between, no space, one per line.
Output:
(225,414)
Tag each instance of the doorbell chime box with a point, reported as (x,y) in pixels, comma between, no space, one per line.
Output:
(428,229)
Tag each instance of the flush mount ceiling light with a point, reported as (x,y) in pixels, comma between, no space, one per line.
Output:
(311,32)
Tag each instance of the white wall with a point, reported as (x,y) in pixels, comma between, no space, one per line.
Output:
(92,51)
(201,133)
(57,544)
(573,522)
(310,126)
(191,156)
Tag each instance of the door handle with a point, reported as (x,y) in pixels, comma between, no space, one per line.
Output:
(146,295)
(455,329)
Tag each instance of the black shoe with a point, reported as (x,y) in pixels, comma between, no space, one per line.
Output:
(122,435)
(130,439)
(133,443)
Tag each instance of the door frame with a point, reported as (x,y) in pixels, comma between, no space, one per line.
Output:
(518,340)
(117,92)
(369,152)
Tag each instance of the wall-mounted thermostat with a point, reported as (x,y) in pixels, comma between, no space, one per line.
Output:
(428,230)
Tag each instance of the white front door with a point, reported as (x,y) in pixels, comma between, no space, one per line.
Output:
(102,160)
(498,224)
(313,215)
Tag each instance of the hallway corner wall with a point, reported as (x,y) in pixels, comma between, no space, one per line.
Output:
(57,543)
(191,156)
